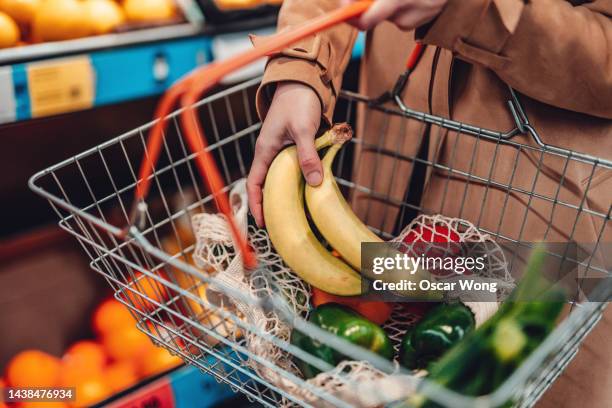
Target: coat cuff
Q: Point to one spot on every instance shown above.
(309, 62)
(287, 69)
(474, 28)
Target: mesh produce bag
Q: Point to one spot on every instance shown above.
(355, 382)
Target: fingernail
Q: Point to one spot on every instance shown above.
(314, 178)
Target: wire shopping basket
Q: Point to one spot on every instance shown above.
(141, 239)
(93, 192)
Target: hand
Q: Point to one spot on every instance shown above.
(406, 14)
(294, 117)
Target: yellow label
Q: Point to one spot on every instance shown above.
(59, 86)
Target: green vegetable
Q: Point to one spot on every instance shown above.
(439, 330)
(343, 322)
(486, 357)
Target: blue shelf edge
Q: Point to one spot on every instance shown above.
(133, 72)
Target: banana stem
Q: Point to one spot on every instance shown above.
(336, 136)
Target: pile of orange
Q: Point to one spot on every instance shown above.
(56, 20)
(119, 357)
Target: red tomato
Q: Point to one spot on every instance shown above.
(438, 233)
(436, 241)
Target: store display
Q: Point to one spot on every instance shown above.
(58, 20)
(119, 358)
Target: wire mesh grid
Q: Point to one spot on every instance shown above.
(499, 181)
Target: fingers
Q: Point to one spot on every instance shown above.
(378, 12)
(406, 14)
(309, 160)
(303, 133)
(410, 17)
(407, 21)
(264, 154)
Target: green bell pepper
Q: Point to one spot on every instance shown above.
(439, 330)
(345, 323)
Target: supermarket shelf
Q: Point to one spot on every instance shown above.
(59, 85)
(142, 36)
(48, 79)
(82, 45)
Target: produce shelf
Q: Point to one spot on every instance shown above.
(80, 45)
(53, 78)
(47, 79)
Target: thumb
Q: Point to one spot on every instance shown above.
(309, 161)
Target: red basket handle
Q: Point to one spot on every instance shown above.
(415, 56)
(191, 87)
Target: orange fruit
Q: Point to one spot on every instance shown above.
(103, 15)
(126, 343)
(9, 32)
(90, 390)
(33, 368)
(156, 360)
(120, 375)
(111, 316)
(57, 20)
(146, 288)
(33, 404)
(70, 375)
(22, 11)
(87, 356)
(149, 10)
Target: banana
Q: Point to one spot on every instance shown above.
(292, 237)
(345, 232)
(334, 217)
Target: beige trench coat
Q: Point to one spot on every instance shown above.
(556, 54)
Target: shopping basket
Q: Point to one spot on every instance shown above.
(144, 247)
(92, 194)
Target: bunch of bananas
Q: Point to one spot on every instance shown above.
(289, 230)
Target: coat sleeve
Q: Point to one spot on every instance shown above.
(550, 50)
(318, 61)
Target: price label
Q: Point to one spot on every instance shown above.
(61, 85)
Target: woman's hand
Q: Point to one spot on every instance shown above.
(406, 14)
(294, 117)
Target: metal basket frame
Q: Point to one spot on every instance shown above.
(118, 249)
